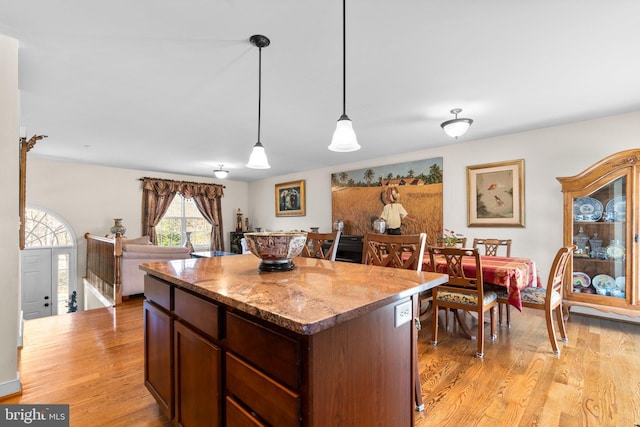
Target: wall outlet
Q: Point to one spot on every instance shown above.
(403, 313)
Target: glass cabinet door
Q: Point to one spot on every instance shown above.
(600, 234)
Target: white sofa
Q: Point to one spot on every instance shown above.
(131, 277)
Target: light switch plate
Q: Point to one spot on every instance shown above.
(403, 313)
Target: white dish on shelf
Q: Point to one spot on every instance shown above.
(618, 207)
(621, 282)
(587, 208)
(603, 281)
(615, 292)
(615, 252)
(581, 279)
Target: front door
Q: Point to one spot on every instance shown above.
(37, 283)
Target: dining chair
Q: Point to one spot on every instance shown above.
(548, 299)
(462, 292)
(322, 245)
(398, 251)
(492, 248)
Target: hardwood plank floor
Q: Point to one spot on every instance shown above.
(94, 361)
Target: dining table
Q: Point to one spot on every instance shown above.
(514, 273)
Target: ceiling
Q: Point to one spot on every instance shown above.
(173, 86)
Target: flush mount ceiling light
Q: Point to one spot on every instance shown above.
(220, 173)
(344, 138)
(456, 127)
(258, 158)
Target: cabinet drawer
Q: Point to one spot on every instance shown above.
(197, 312)
(158, 291)
(237, 416)
(273, 402)
(274, 353)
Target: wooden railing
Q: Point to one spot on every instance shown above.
(103, 265)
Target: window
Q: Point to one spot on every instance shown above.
(45, 230)
(183, 221)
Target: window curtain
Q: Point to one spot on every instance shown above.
(157, 195)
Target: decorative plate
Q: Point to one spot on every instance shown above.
(603, 281)
(588, 208)
(621, 282)
(618, 207)
(614, 252)
(581, 279)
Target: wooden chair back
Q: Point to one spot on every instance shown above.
(492, 246)
(316, 245)
(398, 251)
(454, 258)
(557, 272)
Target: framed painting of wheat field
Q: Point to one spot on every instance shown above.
(359, 197)
(495, 194)
(290, 199)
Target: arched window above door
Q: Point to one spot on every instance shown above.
(44, 229)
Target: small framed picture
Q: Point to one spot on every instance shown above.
(290, 199)
(495, 194)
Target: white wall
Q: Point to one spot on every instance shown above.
(89, 197)
(9, 244)
(549, 153)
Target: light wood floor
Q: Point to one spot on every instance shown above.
(94, 361)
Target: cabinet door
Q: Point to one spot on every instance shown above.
(602, 236)
(158, 343)
(198, 379)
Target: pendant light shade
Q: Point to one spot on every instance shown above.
(456, 127)
(258, 158)
(344, 138)
(220, 173)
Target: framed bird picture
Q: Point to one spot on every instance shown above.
(495, 194)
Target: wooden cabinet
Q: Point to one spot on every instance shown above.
(207, 363)
(600, 217)
(158, 346)
(198, 379)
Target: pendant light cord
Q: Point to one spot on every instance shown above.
(259, 87)
(344, 57)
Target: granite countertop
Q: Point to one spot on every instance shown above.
(314, 296)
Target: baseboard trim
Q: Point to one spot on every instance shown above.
(11, 388)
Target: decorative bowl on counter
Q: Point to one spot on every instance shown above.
(276, 249)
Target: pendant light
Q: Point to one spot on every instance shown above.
(220, 173)
(258, 158)
(456, 127)
(344, 138)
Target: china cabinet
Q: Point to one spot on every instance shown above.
(600, 218)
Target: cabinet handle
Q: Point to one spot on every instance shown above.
(636, 238)
(47, 297)
(46, 305)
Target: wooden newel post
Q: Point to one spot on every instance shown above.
(25, 146)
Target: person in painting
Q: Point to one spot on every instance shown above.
(393, 213)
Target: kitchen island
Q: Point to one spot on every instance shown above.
(327, 343)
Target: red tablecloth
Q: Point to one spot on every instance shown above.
(512, 273)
